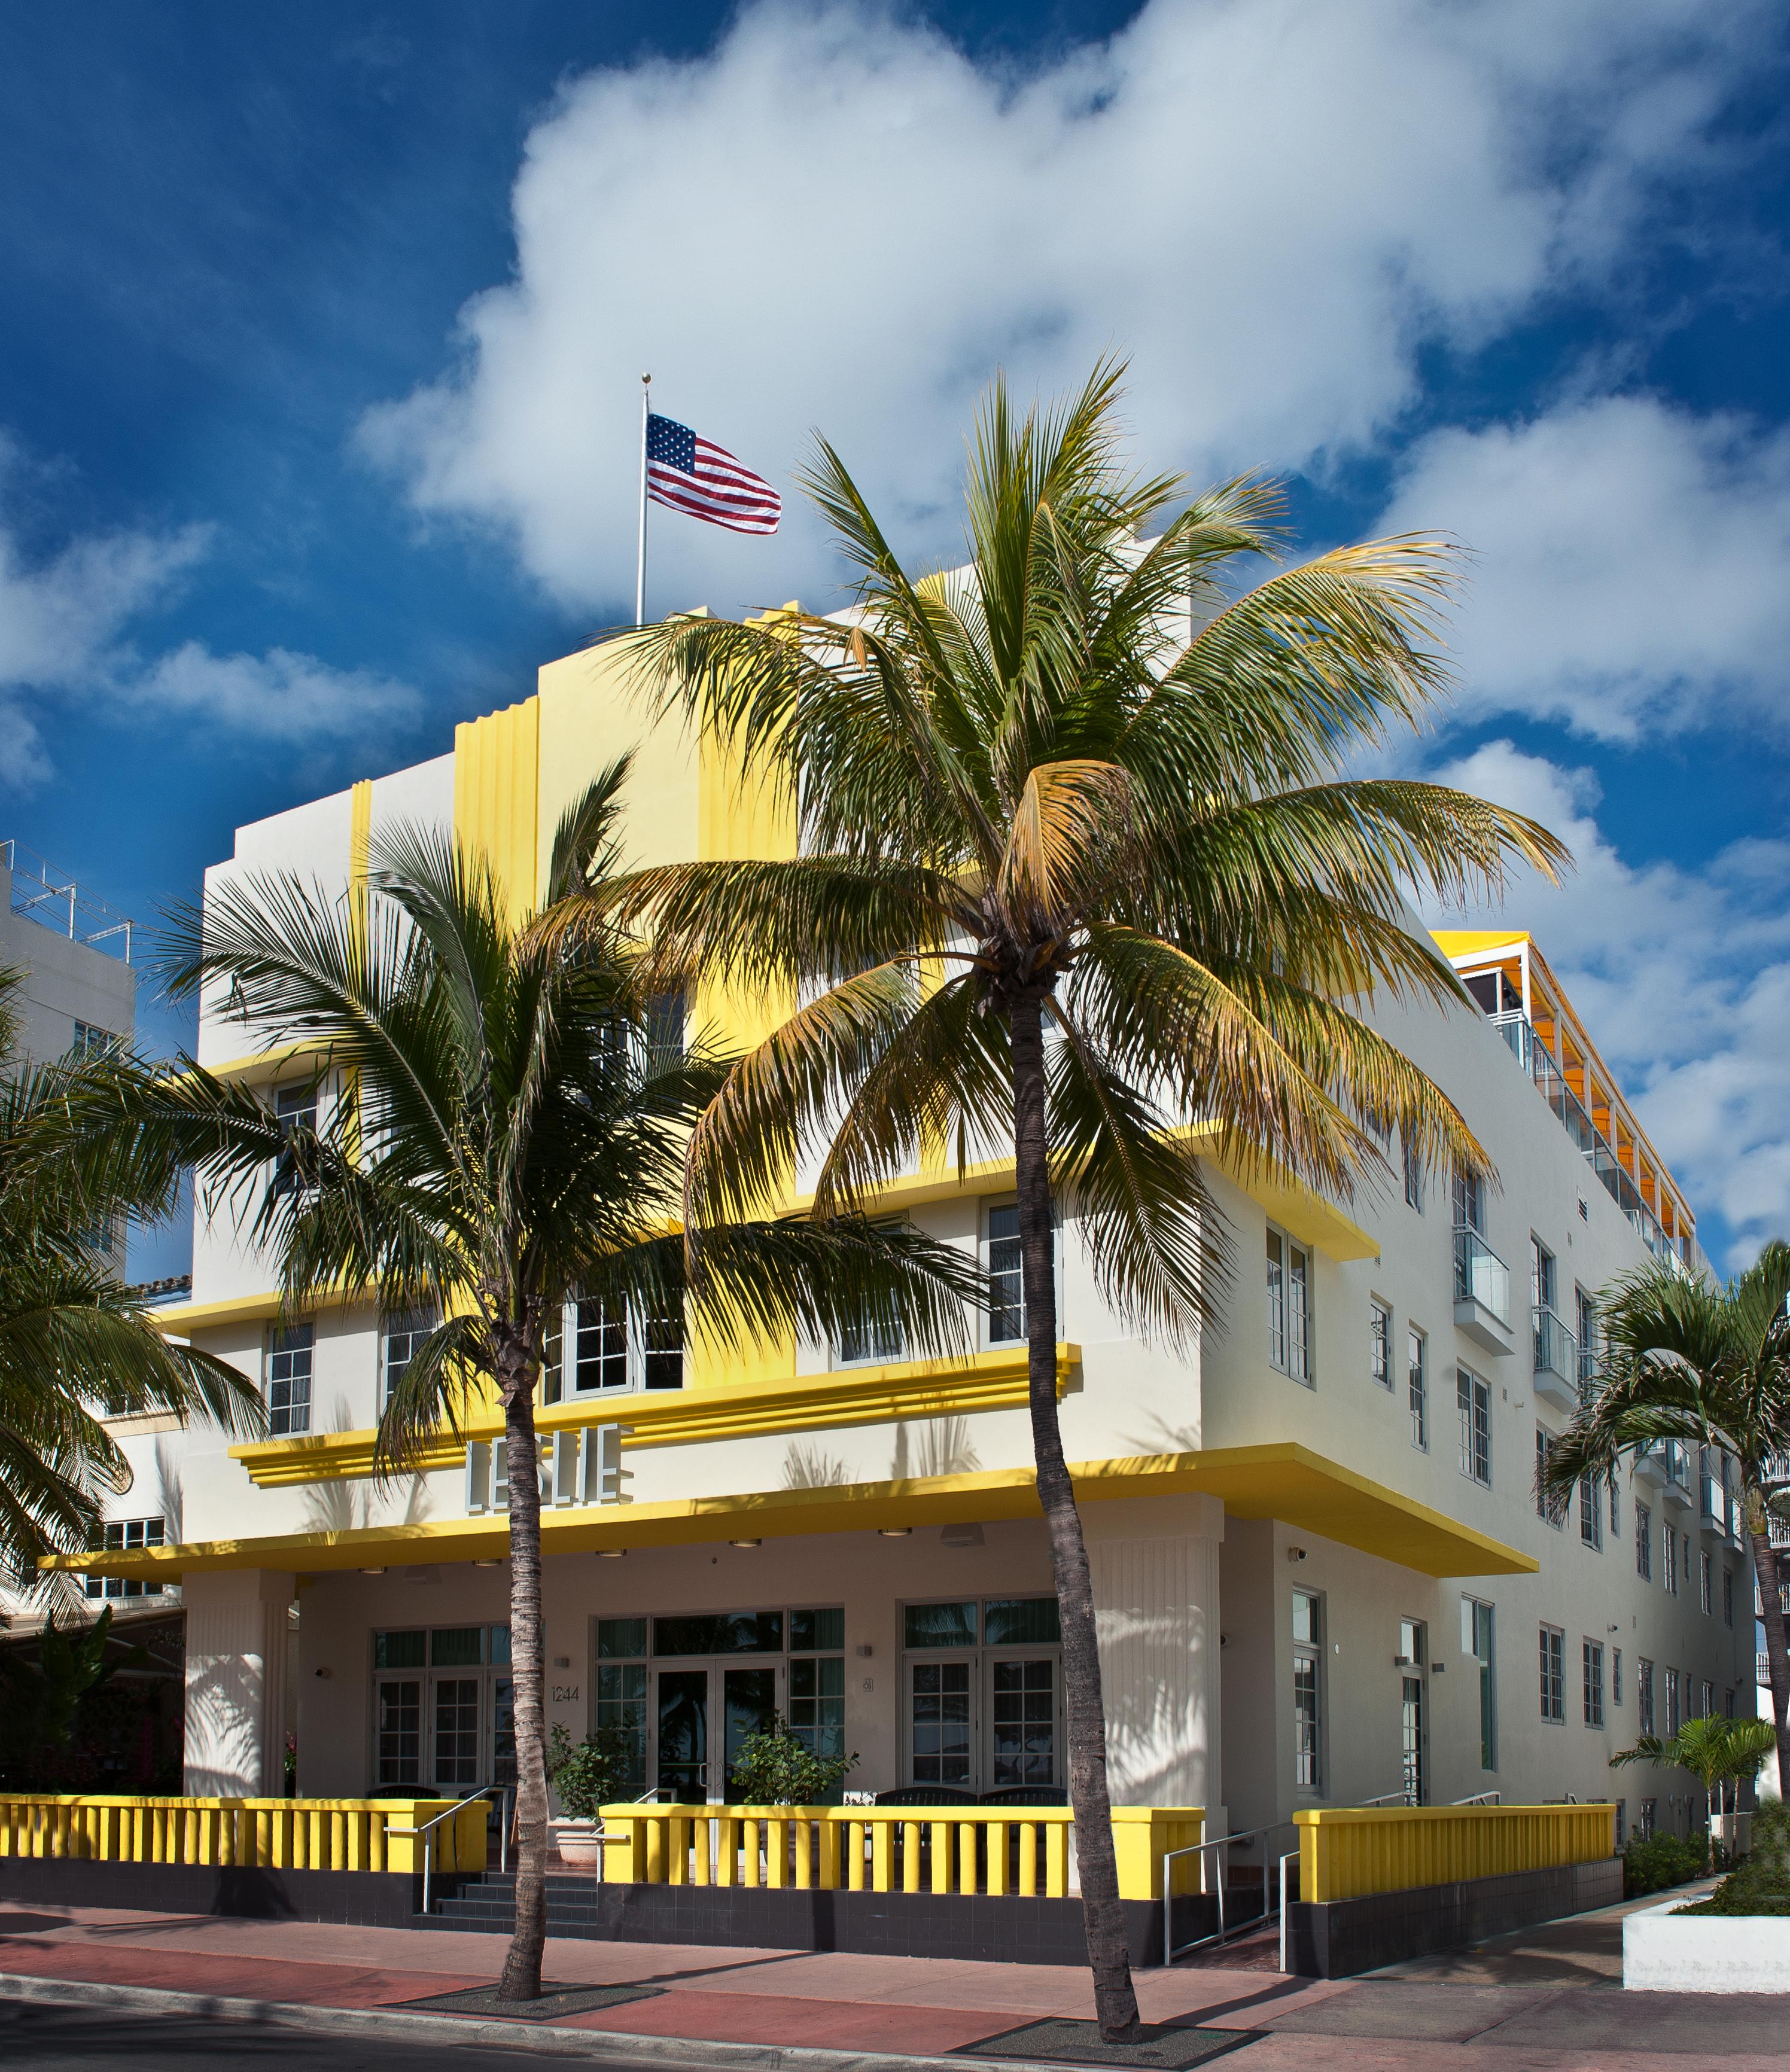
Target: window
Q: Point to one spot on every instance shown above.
(662, 1348)
(1554, 1675)
(665, 1031)
(1413, 1176)
(1475, 1410)
(1727, 1598)
(817, 1681)
(289, 1354)
(1544, 1508)
(125, 1536)
(1541, 1275)
(987, 1719)
(91, 1041)
(398, 1730)
(599, 1357)
(1479, 1633)
(1622, 1825)
(1594, 1683)
(404, 1336)
(1469, 1202)
(1005, 1267)
(1419, 1386)
(1289, 1306)
(1308, 1637)
(1643, 1695)
(1650, 1808)
(1668, 1548)
(621, 1705)
(1615, 1675)
(613, 1350)
(1673, 1718)
(941, 1723)
(1705, 1583)
(1615, 1504)
(1643, 1542)
(1590, 1513)
(296, 1109)
(1380, 1343)
(1587, 1321)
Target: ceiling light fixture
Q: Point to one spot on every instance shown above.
(372, 1572)
(745, 1543)
(610, 1553)
(894, 1531)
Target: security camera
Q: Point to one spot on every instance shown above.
(1295, 1553)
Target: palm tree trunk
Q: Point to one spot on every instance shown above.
(522, 1978)
(1770, 1615)
(1115, 2001)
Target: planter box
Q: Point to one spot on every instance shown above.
(1664, 1952)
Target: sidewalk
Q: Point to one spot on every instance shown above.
(1546, 2001)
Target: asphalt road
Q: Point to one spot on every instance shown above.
(37, 2038)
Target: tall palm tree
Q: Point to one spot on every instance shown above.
(78, 1347)
(1685, 1359)
(511, 1134)
(1080, 868)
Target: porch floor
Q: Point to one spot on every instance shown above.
(1464, 2014)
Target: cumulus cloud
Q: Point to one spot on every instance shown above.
(66, 623)
(836, 219)
(1683, 978)
(1629, 559)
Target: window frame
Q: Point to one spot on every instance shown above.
(1592, 1659)
(1280, 1307)
(1553, 1666)
(273, 1350)
(1416, 1385)
(1381, 1330)
(1308, 1665)
(1473, 1399)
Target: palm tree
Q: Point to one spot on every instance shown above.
(1080, 868)
(1709, 1365)
(1712, 1750)
(512, 1136)
(78, 1347)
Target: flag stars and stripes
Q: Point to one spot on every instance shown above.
(693, 475)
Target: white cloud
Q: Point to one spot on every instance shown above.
(1629, 559)
(836, 220)
(65, 622)
(276, 696)
(1683, 978)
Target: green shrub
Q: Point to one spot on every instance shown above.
(1761, 1884)
(589, 1777)
(775, 1769)
(1651, 1863)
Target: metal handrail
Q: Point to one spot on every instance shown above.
(1292, 1856)
(426, 1830)
(1392, 1799)
(1479, 1798)
(1170, 1953)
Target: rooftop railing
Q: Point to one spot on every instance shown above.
(1535, 1057)
(54, 900)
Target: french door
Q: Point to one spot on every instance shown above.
(449, 1732)
(987, 1724)
(703, 1714)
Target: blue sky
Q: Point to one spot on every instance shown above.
(320, 330)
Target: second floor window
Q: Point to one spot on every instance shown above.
(1380, 1343)
(1289, 1306)
(1590, 1512)
(125, 1536)
(1554, 1675)
(289, 1357)
(403, 1335)
(1643, 1694)
(1594, 1683)
(594, 1348)
(1418, 1381)
(1475, 1400)
(295, 1109)
(1643, 1542)
(1673, 1721)
(1005, 1266)
(1469, 1202)
(1413, 1176)
(1669, 1551)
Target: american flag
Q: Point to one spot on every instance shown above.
(694, 475)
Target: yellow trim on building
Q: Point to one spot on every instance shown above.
(1283, 1481)
(497, 796)
(682, 1417)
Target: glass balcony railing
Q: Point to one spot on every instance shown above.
(1555, 1348)
(1480, 1275)
(1712, 1500)
(1550, 1082)
(1678, 1463)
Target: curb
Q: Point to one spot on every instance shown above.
(596, 2046)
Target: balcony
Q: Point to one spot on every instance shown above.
(1482, 1293)
(1677, 1474)
(1556, 1372)
(1550, 1082)
(1775, 1468)
(1650, 1465)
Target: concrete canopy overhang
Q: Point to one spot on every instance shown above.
(1283, 1481)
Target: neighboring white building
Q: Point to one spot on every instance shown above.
(1318, 1564)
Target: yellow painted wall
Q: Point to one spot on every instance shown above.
(497, 794)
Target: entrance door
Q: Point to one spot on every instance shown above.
(941, 1722)
(748, 1703)
(456, 1733)
(1022, 1708)
(683, 1735)
(1413, 1726)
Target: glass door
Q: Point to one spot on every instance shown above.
(682, 1721)
(1413, 1723)
(456, 1733)
(1022, 1711)
(748, 1702)
(941, 1722)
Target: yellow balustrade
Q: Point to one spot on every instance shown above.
(1020, 1850)
(272, 1834)
(1347, 1851)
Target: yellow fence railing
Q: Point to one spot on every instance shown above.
(273, 1834)
(1000, 1850)
(1346, 1851)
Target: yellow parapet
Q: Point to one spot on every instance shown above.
(999, 1851)
(272, 1834)
(1346, 1851)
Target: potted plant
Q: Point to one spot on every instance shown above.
(584, 1778)
(778, 1768)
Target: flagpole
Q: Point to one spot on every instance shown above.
(639, 565)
